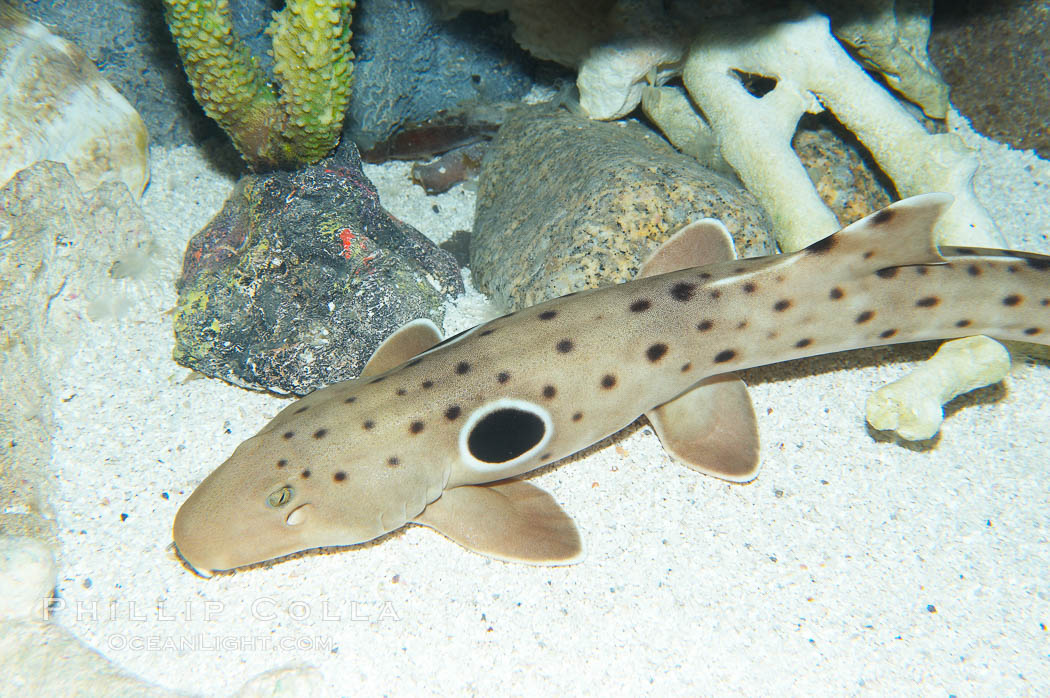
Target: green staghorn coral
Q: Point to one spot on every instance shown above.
(298, 120)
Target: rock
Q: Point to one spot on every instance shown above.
(45, 659)
(130, 44)
(288, 682)
(841, 170)
(27, 576)
(411, 65)
(996, 58)
(565, 203)
(299, 278)
(67, 257)
(57, 106)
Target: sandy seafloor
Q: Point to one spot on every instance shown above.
(853, 564)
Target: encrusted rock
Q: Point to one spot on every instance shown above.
(299, 278)
(565, 203)
(55, 105)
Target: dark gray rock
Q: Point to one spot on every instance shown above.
(565, 204)
(299, 278)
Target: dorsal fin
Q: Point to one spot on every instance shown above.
(702, 242)
(411, 339)
(899, 235)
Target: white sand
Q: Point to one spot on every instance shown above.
(852, 564)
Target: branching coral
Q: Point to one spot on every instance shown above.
(299, 121)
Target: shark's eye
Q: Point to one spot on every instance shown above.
(278, 498)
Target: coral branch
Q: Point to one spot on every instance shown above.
(313, 66)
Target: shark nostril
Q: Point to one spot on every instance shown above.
(298, 515)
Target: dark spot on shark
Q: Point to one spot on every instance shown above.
(882, 217)
(302, 409)
(485, 333)
(401, 391)
(350, 400)
(305, 474)
(822, 246)
(427, 384)
(1013, 268)
(320, 433)
(368, 424)
(415, 427)
(641, 305)
(683, 291)
(887, 273)
(928, 302)
(564, 346)
(742, 325)
(608, 381)
(287, 435)
(452, 413)
(655, 352)
(1012, 300)
(1032, 330)
(380, 379)
(965, 251)
(704, 275)
(973, 270)
(283, 462)
(577, 417)
(687, 367)
(963, 323)
(413, 362)
(549, 391)
(504, 434)
(922, 271)
(836, 293)
(865, 316)
(716, 294)
(750, 287)
(339, 476)
(869, 254)
(393, 461)
(503, 377)
(1038, 263)
(886, 334)
(548, 315)
(724, 355)
(739, 270)
(705, 325)
(462, 367)
(803, 343)
(781, 305)
(1045, 302)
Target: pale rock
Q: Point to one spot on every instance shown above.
(55, 105)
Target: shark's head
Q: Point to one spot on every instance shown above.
(301, 483)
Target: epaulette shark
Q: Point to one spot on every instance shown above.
(435, 432)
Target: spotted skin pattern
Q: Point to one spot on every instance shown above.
(419, 435)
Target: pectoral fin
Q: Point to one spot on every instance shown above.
(408, 341)
(711, 428)
(508, 520)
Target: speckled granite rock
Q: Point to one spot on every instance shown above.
(846, 180)
(299, 278)
(565, 203)
(995, 56)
